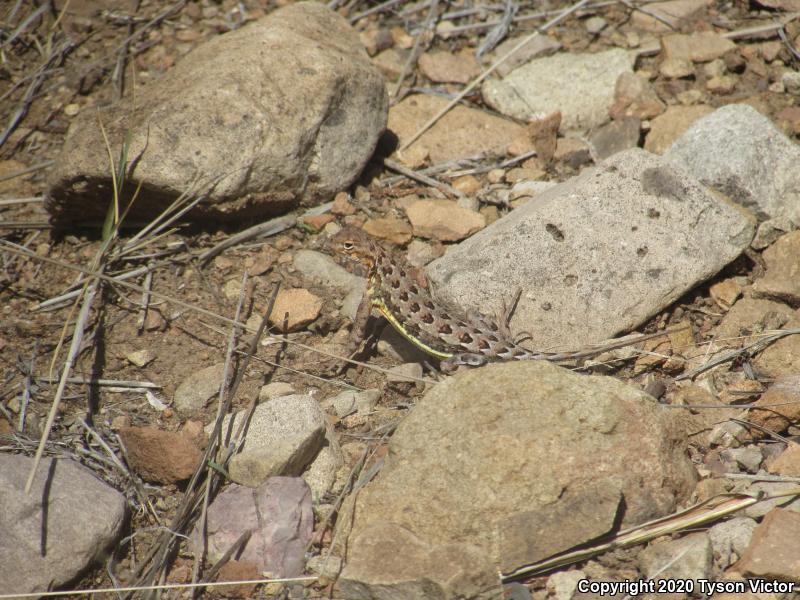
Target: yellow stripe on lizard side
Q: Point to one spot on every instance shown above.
(378, 303)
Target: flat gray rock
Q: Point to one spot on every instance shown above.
(509, 463)
(739, 152)
(539, 87)
(283, 437)
(598, 254)
(286, 109)
(67, 522)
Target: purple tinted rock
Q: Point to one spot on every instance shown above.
(280, 518)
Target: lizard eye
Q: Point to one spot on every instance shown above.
(347, 245)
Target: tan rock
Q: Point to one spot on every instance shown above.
(788, 463)
(722, 84)
(298, 307)
(342, 206)
(414, 157)
(634, 97)
(782, 279)
(444, 220)
(446, 67)
(696, 47)
(390, 62)
(389, 228)
(467, 184)
(376, 40)
(401, 38)
(781, 404)
(573, 151)
(725, 293)
(543, 131)
(774, 551)
(668, 127)
(209, 125)
(538, 45)
(676, 68)
(461, 132)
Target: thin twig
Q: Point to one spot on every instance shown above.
(417, 176)
(433, 6)
(77, 337)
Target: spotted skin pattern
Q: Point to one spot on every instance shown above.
(443, 332)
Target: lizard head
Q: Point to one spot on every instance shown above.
(352, 247)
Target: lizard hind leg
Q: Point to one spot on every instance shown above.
(508, 310)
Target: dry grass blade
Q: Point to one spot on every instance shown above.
(223, 403)
(416, 176)
(57, 56)
(751, 349)
(153, 588)
(433, 6)
(268, 228)
(699, 514)
(32, 169)
(77, 337)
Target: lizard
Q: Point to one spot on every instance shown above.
(456, 339)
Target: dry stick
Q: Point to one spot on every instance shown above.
(14, 201)
(561, 16)
(416, 176)
(33, 88)
(37, 167)
(25, 23)
(650, 13)
(221, 395)
(788, 44)
(148, 588)
(752, 348)
(25, 225)
(414, 54)
(120, 383)
(77, 337)
(375, 9)
(119, 465)
(262, 229)
(192, 496)
(147, 285)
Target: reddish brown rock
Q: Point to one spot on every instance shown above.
(316, 222)
(161, 456)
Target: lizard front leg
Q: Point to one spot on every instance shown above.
(462, 359)
(359, 332)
